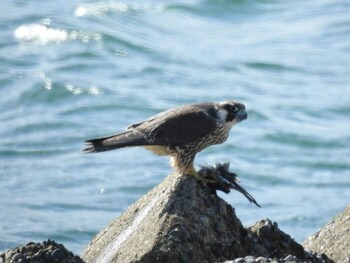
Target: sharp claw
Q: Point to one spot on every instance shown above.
(193, 172)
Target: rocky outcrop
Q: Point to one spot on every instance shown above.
(177, 221)
(269, 241)
(333, 239)
(182, 220)
(46, 252)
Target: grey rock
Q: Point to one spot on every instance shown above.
(175, 222)
(58, 254)
(9, 254)
(333, 239)
(269, 241)
(17, 256)
(260, 260)
(38, 254)
(205, 221)
(181, 220)
(220, 226)
(45, 252)
(290, 258)
(222, 206)
(249, 259)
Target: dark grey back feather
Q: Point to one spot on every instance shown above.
(178, 126)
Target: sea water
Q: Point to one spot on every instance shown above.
(75, 70)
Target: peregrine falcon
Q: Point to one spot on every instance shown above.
(179, 133)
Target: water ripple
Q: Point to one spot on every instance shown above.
(76, 70)
(42, 35)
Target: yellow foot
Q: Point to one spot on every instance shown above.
(194, 173)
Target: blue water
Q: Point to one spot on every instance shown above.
(74, 70)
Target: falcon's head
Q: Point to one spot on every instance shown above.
(231, 111)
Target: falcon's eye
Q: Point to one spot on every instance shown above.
(234, 109)
(229, 108)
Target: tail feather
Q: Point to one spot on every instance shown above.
(125, 139)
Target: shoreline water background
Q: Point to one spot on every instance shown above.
(84, 69)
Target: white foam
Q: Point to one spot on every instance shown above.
(84, 37)
(94, 90)
(73, 89)
(40, 34)
(43, 34)
(47, 81)
(99, 8)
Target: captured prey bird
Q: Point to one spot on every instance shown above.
(224, 180)
(180, 133)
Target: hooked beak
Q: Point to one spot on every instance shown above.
(241, 115)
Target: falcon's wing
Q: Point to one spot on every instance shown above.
(178, 126)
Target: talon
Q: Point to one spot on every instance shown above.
(193, 172)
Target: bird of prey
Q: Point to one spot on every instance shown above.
(179, 133)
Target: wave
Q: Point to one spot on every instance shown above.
(100, 8)
(43, 34)
(40, 34)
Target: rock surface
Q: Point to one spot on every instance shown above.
(177, 221)
(269, 240)
(46, 252)
(181, 220)
(333, 239)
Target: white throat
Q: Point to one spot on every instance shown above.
(222, 115)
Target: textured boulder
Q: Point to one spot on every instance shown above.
(181, 220)
(177, 221)
(46, 252)
(333, 239)
(269, 241)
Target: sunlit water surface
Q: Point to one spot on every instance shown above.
(75, 70)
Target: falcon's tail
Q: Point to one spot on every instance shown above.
(125, 139)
